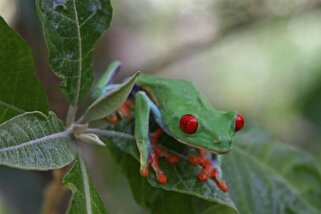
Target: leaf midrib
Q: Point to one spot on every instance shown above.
(64, 134)
(11, 107)
(80, 53)
(86, 186)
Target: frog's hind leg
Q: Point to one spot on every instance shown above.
(149, 151)
(124, 112)
(106, 82)
(105, 85)
(210, 169)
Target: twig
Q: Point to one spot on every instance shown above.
(71, 115)
(109, 133)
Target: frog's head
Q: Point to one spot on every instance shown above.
(210, 130)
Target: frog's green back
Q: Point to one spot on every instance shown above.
(176, 98)
(169, 93)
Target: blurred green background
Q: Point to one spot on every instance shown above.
(261, 57)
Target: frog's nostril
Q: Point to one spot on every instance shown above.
(225, 141)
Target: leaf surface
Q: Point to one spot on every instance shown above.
(110, 102)
(20, 91)
(85, 199)
(71, 28)
(166, 199)
(182, 187)
(35, 141)
(264, 176)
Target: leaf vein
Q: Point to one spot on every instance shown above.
(86, 186)
(63, 16)
(281, 178)
(11, 107)
(80, 53)
(64, 134)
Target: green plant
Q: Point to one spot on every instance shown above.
(264, 175)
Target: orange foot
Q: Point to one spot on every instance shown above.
(155, 154)
(209, 170)
(124, 112)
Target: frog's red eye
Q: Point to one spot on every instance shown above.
(188, 124)
(239, 122)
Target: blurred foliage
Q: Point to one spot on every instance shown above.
(311, 103)
(21, 191)
(261, 57)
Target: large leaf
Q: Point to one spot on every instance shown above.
(20, 91)
(85, 199)
(264, 176)
(110, 102)
(71, 28)
(178, 199)
(186, 192)
(35, 141)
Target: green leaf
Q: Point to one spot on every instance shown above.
(85, 197)
(264, 176)
(71, 28)
(159, 201)
(182, 186)
(20, 91)
(109, 102)
(35, 141)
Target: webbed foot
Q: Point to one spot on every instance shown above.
(124, 112)
(209, 169)
(155, 153)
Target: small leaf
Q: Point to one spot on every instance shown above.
(34, 141)
(85, 199)
(109, 102)
(71, 29)
(20, 91)
(90, 138)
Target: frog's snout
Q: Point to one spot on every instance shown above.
(226, 144)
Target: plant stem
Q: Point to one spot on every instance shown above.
(109, 133)
(71, 115)
(54, 192)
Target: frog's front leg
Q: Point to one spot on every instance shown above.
(149, 150)
(210, 168)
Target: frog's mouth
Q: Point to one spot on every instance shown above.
(209, 150)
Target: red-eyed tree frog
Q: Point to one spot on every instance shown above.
(182, 112)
